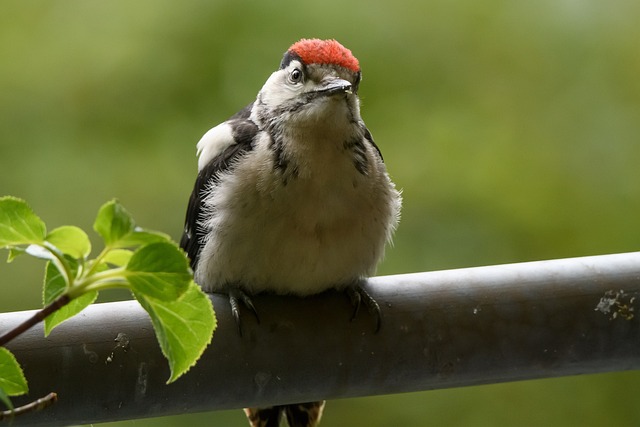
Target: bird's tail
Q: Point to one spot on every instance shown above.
(297, 415)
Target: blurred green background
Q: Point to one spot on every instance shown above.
(513, 128)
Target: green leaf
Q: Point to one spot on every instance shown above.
(159, 270)
(184, 327)
(19, 225)
(12, 380)
(74, 307)
(54, 287)
(70, 240)
(14, 253)
(141, 236)
(118, 257)
(113, 223)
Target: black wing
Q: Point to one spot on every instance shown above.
(244, 132)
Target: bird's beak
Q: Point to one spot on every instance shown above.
(333, 87)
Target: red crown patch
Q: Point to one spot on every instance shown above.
(316, 51)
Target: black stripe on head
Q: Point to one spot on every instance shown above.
(287, 58)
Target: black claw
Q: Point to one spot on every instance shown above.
(236, 295)
(246, 299)
(235, 311)
(355, 298)
(357, 295)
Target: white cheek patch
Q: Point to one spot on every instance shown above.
(276, 92)
(213, 143)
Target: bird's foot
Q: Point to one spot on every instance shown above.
(237, 296)
(358, 296)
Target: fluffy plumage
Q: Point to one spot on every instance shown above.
(292, 194)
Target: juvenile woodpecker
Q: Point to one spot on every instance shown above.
(292, 195)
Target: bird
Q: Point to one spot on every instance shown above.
(292, 196)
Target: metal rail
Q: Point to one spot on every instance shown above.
(439, 329)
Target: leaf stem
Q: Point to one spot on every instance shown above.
(100, 285)
(36, 405)
(98, 260)
(60, 262)
(113, 277)
(38, 317)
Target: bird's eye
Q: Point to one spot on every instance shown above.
(295, 76)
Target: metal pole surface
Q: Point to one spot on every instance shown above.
(439, 329)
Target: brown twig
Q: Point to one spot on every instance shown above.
(36, 405)
(38, 317)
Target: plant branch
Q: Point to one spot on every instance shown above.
(36, 405)
(36, 318)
